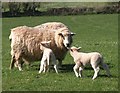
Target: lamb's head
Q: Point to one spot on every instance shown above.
(44, 44)
(66, 36)
(74, 49)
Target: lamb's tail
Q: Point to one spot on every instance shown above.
(105, 67)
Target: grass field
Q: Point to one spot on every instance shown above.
(93, 33)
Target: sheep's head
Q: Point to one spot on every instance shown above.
(66, 36)
(74, 49)
(44, 44)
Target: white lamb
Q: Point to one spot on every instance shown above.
(48, 56)
(81, 59)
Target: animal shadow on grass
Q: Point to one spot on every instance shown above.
(100, 73)
(66, 68)
(69, 68)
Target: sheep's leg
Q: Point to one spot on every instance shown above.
(15, 64)
(26, 62)
(18, 61)
(56, 69)
(12, 62)
(41, 67)
(75, 68)
(105, 67)
(43, 63)
(48, 64)
(48, 68)
(55, 64)
(59, 63)
(19, 67)
(96, 69)
(45, 68)
(80, 71)
(19, 64)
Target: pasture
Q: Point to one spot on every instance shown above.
(93, 33)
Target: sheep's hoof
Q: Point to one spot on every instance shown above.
(78, 76)
(93, 78)
(20, 70)
(10, 68)
(39, 72)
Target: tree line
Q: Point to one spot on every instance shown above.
(34, 8)
(15, 8)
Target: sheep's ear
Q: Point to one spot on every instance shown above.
(72, 33)
(78, 49)
(49, 41)
(60, 34)
(42, 43)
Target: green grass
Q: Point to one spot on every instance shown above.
(93, 33)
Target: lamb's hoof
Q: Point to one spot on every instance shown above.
(39, 72)
(10, 68)
(21, 70)
(77, 76)
(93, 78)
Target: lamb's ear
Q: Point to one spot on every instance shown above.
(72, 33)
(78, 49)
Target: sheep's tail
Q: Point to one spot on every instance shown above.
(105, 66)
(10, 37)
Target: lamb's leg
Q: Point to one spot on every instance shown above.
(41, 67)
(55, 64)
(48, 68)
(45, 67)
(96, 69)
(80, 71)
(48, 64)
(75, 68)
(43, 64)
(105, 67)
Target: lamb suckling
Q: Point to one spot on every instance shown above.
(81, 59)
(47, 58)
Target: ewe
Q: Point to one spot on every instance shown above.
(25, 42)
